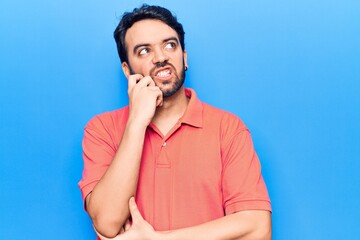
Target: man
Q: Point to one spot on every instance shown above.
(181, 168)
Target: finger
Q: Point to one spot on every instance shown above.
(158, 94)
(159, 99)
(133, 79)
(127, 225)
(134, 211)
(152, 83)
(145, 82)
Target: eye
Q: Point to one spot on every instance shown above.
(170, 45)
(143, 51)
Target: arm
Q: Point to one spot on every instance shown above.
(107, 205)
(242, 188)
(241, 160)
(251, 224)
(242, 225)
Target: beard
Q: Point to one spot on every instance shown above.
(175, 85)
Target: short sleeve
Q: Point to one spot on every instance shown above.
(243, 186)
(98, 152)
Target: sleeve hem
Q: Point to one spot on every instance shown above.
(248, 205)
(87, 188)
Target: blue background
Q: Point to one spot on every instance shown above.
(289, 69)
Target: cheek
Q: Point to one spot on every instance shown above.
(180, 65)
(141, 67)
(181, 60)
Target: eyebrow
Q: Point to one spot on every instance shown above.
(137, 46)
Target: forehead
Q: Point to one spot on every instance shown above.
(148, 31)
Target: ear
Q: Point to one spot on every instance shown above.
(185, 59)
(126, 69)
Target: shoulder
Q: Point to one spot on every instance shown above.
(227, 121)
(109, 120)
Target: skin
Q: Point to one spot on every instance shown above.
(156, 63)
(150, 42)
(244, 225)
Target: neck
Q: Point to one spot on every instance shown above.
(171, 111)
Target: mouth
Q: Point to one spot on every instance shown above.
(163, 73)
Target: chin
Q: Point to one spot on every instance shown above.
(170, 92)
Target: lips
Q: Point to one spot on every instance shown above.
(163, 73)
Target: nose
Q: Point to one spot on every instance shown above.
(159, 56)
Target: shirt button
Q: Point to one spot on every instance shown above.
(164, 144)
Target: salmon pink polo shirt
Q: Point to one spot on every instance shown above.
(204, 168)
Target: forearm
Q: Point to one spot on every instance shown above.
(244, 225)
(108, 202)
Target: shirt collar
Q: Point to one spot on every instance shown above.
(194, 111)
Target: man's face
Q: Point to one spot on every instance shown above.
(154, 50)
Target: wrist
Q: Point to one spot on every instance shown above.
(134, 125)
(163, 235)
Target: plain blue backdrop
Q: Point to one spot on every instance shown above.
(289, 69)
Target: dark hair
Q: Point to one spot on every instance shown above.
(145, 12)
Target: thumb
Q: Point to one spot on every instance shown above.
(134, 211)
